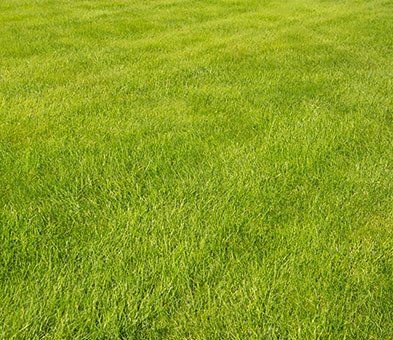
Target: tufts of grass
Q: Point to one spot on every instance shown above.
(188, 169)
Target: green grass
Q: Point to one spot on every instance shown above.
(196, 169)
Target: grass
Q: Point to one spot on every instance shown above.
(196, 169)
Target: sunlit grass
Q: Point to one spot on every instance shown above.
(196, 169)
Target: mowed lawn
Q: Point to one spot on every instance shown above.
(196, 169)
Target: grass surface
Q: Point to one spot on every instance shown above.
(196, 169)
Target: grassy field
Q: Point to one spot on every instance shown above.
(196, 169)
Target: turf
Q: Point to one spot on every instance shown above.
(196, 169)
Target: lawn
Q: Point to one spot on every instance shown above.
(196, 169)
